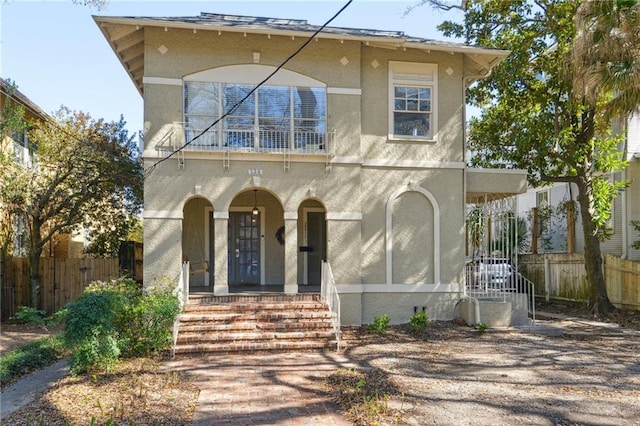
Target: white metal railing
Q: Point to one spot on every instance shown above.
(493, 278)
(261, 139)
(330, 295)
(182, 289)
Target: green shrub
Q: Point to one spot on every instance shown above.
(379, 325)
(419, 321)
(29, 315)
(118, 318)
(150, 321)
(30, 357)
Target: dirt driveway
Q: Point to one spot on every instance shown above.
(458, 376)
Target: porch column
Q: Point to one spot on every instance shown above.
(291, 252)
(162, 252)
(220, 266)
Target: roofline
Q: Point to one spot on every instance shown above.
(395, 42)
(23, 100)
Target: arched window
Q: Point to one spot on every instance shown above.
(287, 112)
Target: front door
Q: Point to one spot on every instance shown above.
(244, 248)
(316, 252)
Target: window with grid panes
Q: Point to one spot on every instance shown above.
(412, 100)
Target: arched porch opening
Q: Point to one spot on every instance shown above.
(256, 254)
(198, 243)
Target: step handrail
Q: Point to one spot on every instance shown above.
(182, 290)
(330, 295)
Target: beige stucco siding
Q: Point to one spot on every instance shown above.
(379, 184)
(399, 307)
(189, 53)
(375, 107)
(170, 186)
(162, 249)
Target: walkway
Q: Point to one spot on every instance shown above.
(264, 389)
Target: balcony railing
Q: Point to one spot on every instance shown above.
(266, 139)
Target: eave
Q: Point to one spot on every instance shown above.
(126, 38)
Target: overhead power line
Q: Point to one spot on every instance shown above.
(252, 91)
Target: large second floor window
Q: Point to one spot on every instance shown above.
(271, 117)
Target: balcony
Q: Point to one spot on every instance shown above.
(264, 139)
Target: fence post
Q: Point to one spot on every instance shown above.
(547, 279)
(571, 228)
(534, 230)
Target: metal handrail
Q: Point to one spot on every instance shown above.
(330, 295)
(260, 139)
(478, 285)
(182, 289)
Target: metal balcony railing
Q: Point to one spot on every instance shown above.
(264, 139)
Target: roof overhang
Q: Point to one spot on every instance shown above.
(126, 37)
(491, 184)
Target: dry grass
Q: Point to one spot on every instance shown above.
(139, 392)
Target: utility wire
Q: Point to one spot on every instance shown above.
(251, 92)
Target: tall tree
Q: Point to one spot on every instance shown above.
(84, 174)
(532, 117)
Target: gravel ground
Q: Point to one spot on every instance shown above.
(455, 375)
(449, 375)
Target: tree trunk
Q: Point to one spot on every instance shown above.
(34, 263)
(599, 303)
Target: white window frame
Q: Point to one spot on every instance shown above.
(413, 74)
(540, 203)
(251, 75)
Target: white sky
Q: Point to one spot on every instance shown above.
(56, 54)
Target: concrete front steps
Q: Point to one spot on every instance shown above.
(254, 323)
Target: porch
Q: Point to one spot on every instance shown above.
(496, 293)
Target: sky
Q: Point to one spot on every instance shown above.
(55, 53)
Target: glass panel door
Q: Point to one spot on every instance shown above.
(244, 248)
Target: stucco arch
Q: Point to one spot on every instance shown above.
(254, 74)
(411, 187)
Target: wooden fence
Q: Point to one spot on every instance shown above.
(563, 276)
(62, 280)
(623, 282)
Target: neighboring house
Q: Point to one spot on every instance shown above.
(24, 153)
(353, 153)
(21, 149)
(551, 202)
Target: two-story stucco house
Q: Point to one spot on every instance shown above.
(352, 152)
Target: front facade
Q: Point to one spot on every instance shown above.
(351, 153)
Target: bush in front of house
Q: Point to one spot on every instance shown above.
(419, 322)
(118, 318)
(379, 324)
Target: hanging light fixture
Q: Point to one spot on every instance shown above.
(255, 210)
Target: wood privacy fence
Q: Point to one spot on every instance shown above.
(623, 282)
(563, 276)
(62, 281)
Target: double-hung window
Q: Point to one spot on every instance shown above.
(269, 118)
(412, 100)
